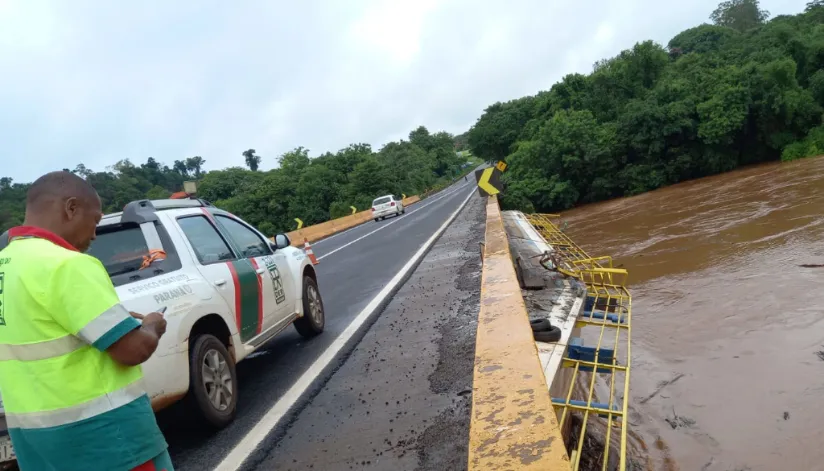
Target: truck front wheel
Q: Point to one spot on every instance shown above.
(212, 381)
(314, 318)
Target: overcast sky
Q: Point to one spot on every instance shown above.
(99, 81)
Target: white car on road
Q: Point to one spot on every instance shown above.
(388, 205)
(227, 289)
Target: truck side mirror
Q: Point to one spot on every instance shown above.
(282, 241)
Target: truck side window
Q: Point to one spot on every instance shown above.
(120, 248)
(251, 245)
(206, 242)
(123, 248)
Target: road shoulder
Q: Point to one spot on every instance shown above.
(402, 400)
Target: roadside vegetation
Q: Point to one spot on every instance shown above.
(739, 91)
(312, 189)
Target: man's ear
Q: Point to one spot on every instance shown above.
(70, 207)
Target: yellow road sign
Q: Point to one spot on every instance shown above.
(354, 209)
(501, 165)
(300, 223)
(403, 195)
(489, 181)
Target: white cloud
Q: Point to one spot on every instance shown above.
(94, 81)
(392, 28)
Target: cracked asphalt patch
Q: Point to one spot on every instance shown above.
(402, 400)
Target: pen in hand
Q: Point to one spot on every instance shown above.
(140, 317)
(157, 321)
(153, 321)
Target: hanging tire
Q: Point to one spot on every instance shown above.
(314, 317)
(213, 387)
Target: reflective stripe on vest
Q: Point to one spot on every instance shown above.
(41, 350)
(63, 345)
(86, 410)
(105, 322)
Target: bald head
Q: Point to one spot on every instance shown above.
(58, 185)
(65, 204)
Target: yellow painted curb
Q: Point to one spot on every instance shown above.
(513, 424)
(410, 200)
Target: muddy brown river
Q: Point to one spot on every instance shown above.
(722, 304)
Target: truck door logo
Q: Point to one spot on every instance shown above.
(277, 282)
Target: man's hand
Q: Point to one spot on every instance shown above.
(138, 345)
(155, 322)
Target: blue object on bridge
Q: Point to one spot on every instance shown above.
(576, 351)
(589, 302)
(600, 315)
(597, 405)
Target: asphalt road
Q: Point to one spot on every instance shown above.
(402, 399)
(354, 267)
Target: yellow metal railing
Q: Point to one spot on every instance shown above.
(608, 307)
(560, 242)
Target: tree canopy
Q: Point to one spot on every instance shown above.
(739, 14)
(313, 189)
(252, 160)
(741, 91)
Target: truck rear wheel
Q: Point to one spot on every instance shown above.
(212, 381)
(314, 317)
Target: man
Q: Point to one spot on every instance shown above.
(69, 351)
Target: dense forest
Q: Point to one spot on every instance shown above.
(740, 91)
(313, 189)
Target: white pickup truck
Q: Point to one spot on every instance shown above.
(226, 288)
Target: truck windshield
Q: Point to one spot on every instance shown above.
(120, 248)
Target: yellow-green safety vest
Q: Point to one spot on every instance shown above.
(58, 314)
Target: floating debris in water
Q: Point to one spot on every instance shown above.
(662, 385)
(678, 421)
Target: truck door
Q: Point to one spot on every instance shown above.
(232, 275)
(277, 292)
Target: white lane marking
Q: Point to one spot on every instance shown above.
(335, 235)
(269, 420)
(397, 219)
(445, 192)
